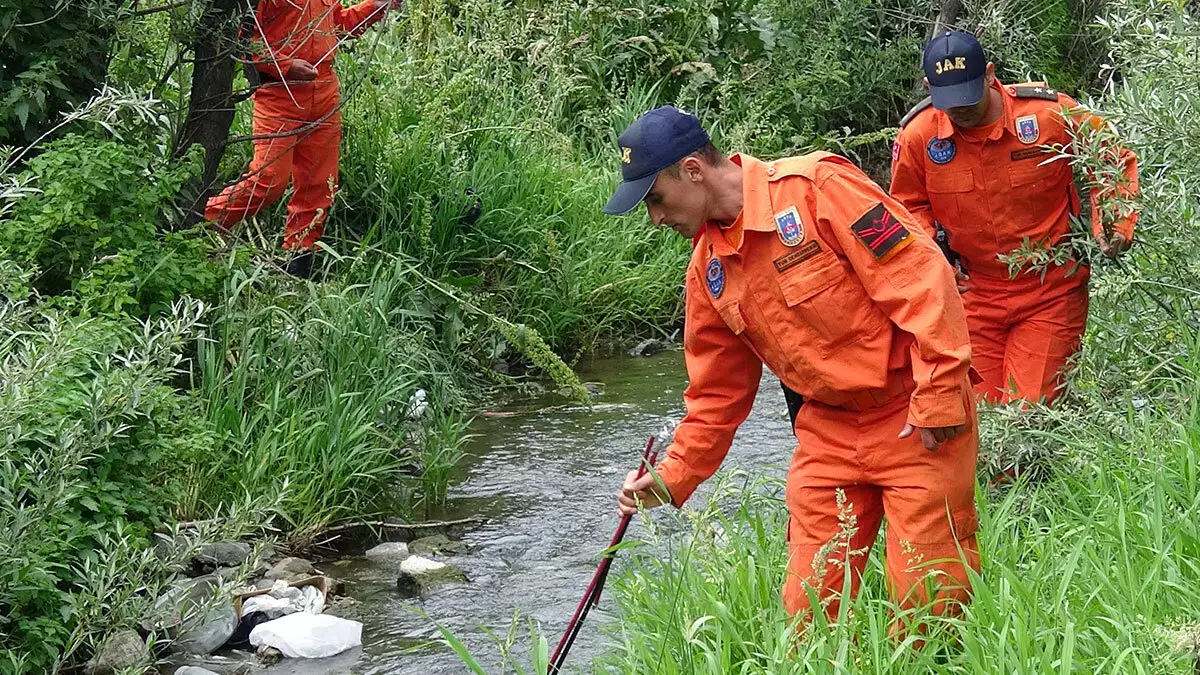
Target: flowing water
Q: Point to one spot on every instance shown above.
(547, 483)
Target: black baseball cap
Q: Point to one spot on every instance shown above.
(655, 141)
(955, 66)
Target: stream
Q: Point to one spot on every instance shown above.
(547, 483)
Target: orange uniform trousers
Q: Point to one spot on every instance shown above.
(1025, 330)
(298, 128)
(849, 472)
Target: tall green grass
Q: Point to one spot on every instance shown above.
(1092, 571)
(308, 387)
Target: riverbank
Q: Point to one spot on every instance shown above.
(152, 374)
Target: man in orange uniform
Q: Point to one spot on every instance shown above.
(805, 265)
(970, 159)
(297, 118)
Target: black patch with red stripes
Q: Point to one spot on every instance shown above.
(881, 232)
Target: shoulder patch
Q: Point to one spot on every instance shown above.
(881, 233)
(914, 111)
(1035, 91)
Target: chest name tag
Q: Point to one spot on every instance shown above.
(786, 262)
(1026, 153)
(881, 233)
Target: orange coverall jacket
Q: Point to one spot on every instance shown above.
(990, 194)
(831, 284)
(285, 30)
(991, 189)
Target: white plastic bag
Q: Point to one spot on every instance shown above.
(273, 607)
(308, 636)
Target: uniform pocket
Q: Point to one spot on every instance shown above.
(1019, 175)
(950, 197)
(824, 295)
(950, 182)
(1033, 194)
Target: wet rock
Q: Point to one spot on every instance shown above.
(123, 649)
(420, 576)
(269, 655)
(290, 569)
(648, 347)
(392, 550)
(221, 554)
(344, 608)
(227, 574)
(594, 388)
(195, 670)
(165, 547)
(193, 616)
(437, 544)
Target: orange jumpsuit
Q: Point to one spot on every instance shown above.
(991, 188)
(834, 286)
(297, 125)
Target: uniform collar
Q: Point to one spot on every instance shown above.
(756, 207)
(946, 128)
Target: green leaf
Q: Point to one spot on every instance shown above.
(22, 111)
(90, 504)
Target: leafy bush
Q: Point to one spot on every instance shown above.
(93, 227)
(55, 55)
(92, 437)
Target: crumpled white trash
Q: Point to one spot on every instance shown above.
(283, 598)
(308, 636)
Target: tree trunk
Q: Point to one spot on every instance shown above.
(211, 105)
(948, 11)
(946, 16)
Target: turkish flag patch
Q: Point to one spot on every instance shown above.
(882, 234)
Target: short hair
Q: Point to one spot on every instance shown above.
(708, 154)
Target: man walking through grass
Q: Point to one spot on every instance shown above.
(805, 265)
(974, 159)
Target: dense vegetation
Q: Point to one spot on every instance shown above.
(153, 371)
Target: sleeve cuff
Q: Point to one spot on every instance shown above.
(277, 69)
(681, 481)
(930, 411)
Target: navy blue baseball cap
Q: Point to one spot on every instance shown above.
(956, 67)
(655, 141)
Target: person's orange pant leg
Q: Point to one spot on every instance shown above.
(315, 171)
(850, 471)
(1030, 327)
(308, 158)
(988, 323)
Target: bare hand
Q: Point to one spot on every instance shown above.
(644, 491)
(1115, 245)
(932, 438)
(301, 71)
(962, 281)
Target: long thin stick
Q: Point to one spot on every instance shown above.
(592, 594)
(606, 563)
